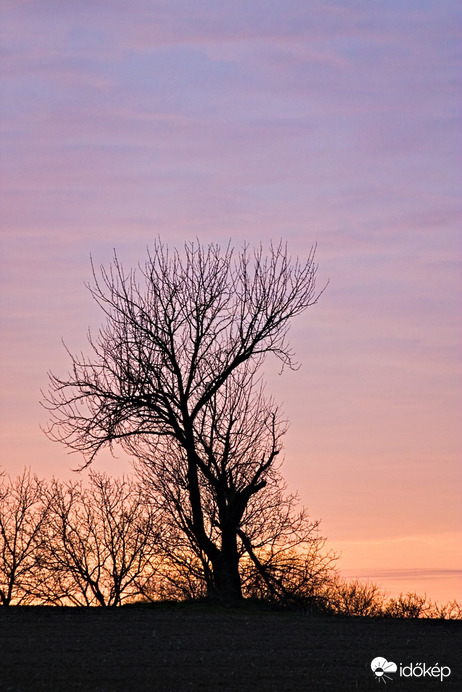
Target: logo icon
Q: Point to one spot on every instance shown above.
(381, 669)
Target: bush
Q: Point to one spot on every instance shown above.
(357, 598)
(447, 611)
(409, 605)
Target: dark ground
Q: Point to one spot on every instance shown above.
(180, 648)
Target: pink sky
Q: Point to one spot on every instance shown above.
(328, 122)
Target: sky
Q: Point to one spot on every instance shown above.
(327, 122)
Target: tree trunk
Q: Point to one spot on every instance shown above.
(226, 577)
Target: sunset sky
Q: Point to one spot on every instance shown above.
(336, 123)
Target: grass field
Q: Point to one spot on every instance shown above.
(176, 648)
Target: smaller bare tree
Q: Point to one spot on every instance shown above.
(452, 610)
(409, 605)
(100, 542)
(23, 512)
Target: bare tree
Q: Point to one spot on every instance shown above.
(409, 605)
(100, 543)
(354, 597)
(173, 378)
(452, 610)
(23, 511)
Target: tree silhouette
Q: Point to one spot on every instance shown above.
(173, 377)
(23, 512)
(99, 542)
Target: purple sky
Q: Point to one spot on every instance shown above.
(328, 122)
